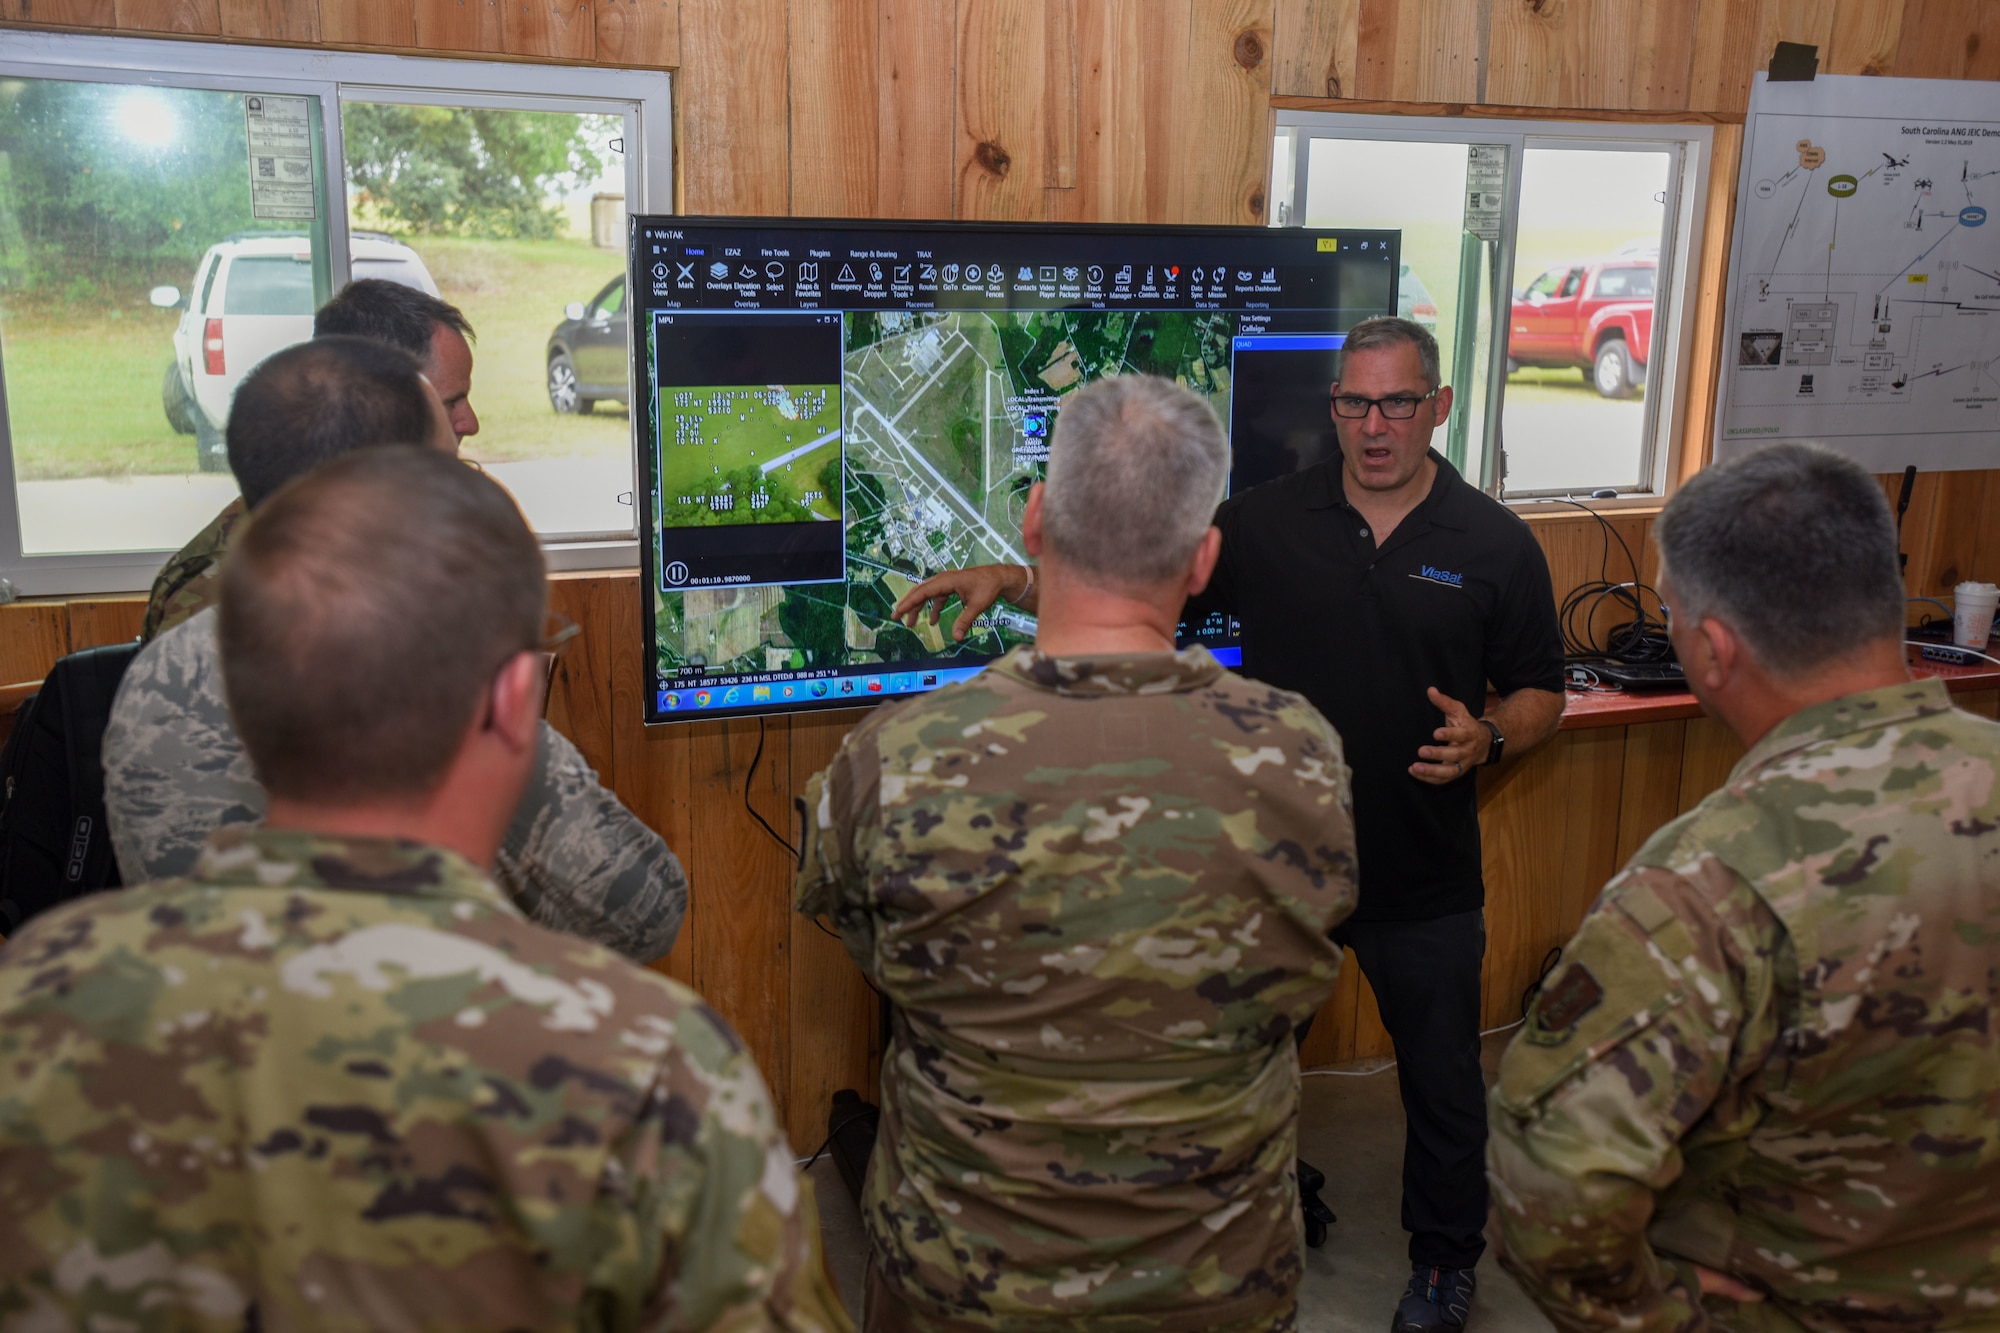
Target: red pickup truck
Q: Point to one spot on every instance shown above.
(1595, 314)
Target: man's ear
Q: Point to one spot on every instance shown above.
(1205, 556)
(1443, 403)
(1031, 522)
(516, 700)
(1719, 654)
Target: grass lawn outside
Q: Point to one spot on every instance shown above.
(83, 386)
(83, 393)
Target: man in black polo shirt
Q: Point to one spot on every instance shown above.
(1390, 593)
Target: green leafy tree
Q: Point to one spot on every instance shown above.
(108, 189)
(459, 171)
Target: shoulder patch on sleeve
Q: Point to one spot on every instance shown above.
(1562, 1005)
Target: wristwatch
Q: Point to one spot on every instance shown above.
(1499, 742)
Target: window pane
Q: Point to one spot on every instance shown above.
(493, 210)
(1580, 339)
(116, 390)
(1446, 279)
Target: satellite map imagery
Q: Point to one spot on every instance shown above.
(942, 421)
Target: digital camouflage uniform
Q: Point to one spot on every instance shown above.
(1772, 1051)
(342, 1084)
(574, 859)
(1097, 893)
(191, 580)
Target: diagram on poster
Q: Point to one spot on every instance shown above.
(1864, 300)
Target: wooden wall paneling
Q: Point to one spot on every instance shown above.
(1314, 46)
(1061, 127)
(639, 32)
(1708, 752)
(1964, 505)
(1649, 793)
(1703, 378)
(835, 108)
(464, 25)
(835, 1016)
(1113, 133)
(916, 120)
(1919, 522)
(652, 767)
(1634, 55)
(1949, 39)
(580, 693)
(32, 636)
(1002, 166)
(61, 13)
(1525, 812)
(1225, 119)
(1596, 783)
(1330, 1041)
(550, 29)
(1421, 50)
(1726, 53)
(1986, 703)
(743, 949)
(1985, 562)
(1865, 38)
(367, 23)
(293, 21)
(729, 104)
(1580, 551)
(1165, 29)
(199, 18)
(94, 623)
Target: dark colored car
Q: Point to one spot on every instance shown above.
(589, 362)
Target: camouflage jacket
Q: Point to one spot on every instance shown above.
(574, 859)
(1772, 1049)
(190, 581)
(1097, 892)
(342, 1084)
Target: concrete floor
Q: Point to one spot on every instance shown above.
(1352, 1129)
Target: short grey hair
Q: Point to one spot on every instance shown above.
(1793, 548)
(1394, 331)
(1136, 469)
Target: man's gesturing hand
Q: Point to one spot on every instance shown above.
(976, 588)
(1463, 743)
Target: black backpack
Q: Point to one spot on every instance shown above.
(54, 844)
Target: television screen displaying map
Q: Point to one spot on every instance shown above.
(952, 377)
(946, 423)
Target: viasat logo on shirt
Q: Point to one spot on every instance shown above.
(1432, 574)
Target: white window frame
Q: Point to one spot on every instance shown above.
(1691, 146)
(643, 97)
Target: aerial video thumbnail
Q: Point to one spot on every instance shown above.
(750, 454)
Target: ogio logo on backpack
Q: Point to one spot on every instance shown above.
(79, 848)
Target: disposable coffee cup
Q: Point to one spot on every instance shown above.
(1972, 613)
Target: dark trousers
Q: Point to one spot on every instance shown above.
(1425, 975)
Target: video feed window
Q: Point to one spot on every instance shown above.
(838, 411)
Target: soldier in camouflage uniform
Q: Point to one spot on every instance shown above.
(1095, 883)
(187, 582)
(333, 1079)
(1764, 1090)
(575, 858)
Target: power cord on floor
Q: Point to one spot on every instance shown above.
(1370, 1073)
(805, 1164)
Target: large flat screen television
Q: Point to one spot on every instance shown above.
(829, 411)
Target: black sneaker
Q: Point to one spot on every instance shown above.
(1438, 1300)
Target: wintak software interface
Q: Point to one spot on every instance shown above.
(833, 412)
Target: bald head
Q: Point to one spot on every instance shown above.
(314, 402)
(363, 616)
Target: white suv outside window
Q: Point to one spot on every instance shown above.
(253, 295)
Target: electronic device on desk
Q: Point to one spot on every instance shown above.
(1633, 675)
(828, 412)
(1933, 642)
